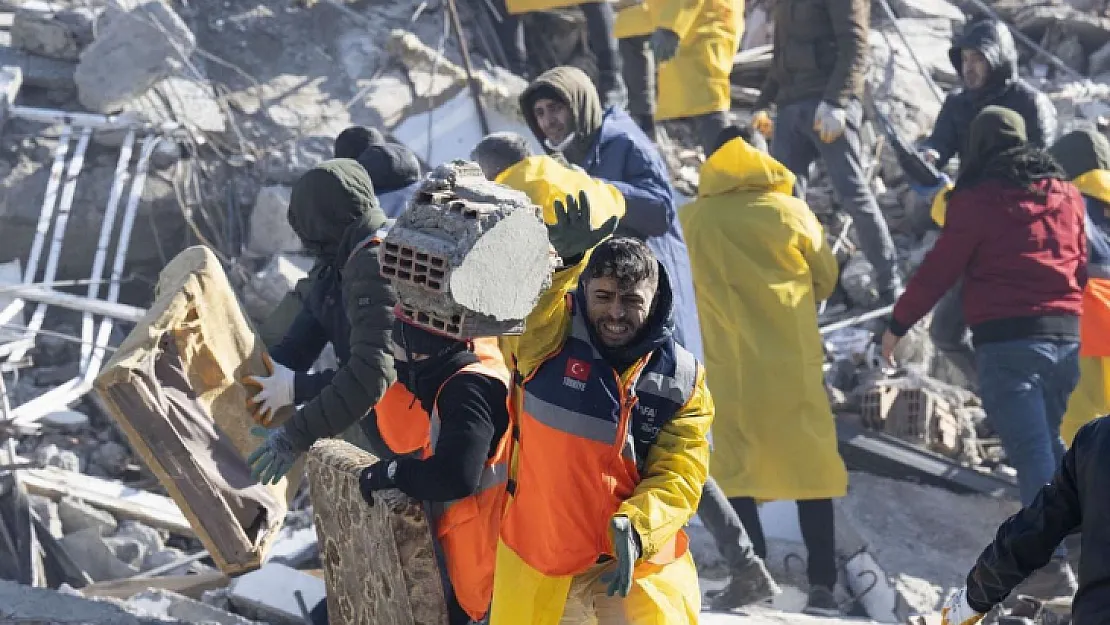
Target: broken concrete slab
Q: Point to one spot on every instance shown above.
(147, 536)
(127, 550)
(40, 72)
(51, 456)
(134, 51)
(918, 9)
(373, 555)
(23, 604)
(458, 231)
(47, 512)
(264, 290)
(78, 516)
(66, 420)
(43, 30)
(181, 98)
(1098, 63)
(169, 604)
(270, 230)
(95, 556)
(1093, 29)
(268, 594)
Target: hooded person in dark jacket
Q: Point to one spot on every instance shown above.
(1075, 499)
(563, 111)
(986, 59)
(334, 212)
(395, 171)
(1015, 234)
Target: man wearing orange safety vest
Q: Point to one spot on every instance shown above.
(611, 417)
(455, 401)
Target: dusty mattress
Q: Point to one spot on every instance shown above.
(173, 387)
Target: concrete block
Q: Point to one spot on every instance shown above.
(23, 604)
(133, 52)
(127, 550)
(264, 290)
(379, 562)
(147, 536)
(267, 594)
(172, 605)
(92, 554)
(295, 547)
(270, 229)
(460, 230)
(78, 516)
(38, 29)
(38, 71)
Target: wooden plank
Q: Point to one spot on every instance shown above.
(192, 586)
(111, 496)
(379, 561)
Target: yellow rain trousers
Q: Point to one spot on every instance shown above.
(1091, 398)
(760, 264)
(696, 80)
(667, 595)
(544, 180)
(516, 7)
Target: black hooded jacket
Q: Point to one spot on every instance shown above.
(1003, 88)
(335, 213)
(1075, 499)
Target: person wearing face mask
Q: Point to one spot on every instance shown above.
(333, 210)
(460, 403)
(610, 420)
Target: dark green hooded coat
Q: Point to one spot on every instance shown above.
(346, 301)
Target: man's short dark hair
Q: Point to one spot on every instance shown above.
(352, 142)
(499, 151)
(745, 132)
(625, 259)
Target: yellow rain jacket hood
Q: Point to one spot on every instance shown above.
(544, 179)
(760, 264)
(516, 7)
(696, 80)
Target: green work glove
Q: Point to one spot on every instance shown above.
(572, 235)
(274, 457)
(627, 551)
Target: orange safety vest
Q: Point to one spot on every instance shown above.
(403, 423)
(467, 528)
(582, 437)
(1094, 323)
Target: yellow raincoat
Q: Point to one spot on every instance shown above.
(1091, 398)
(663, 502)
(696, 80)
(516, 7)
(760, 264)
(544, 180)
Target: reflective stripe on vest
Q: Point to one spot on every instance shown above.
(584, 435)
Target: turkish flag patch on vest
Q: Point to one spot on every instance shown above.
(577, 369)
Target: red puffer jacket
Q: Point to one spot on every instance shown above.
(1022, 254)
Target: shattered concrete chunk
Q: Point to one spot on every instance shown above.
(270, 229)
(40, 30)
(459, 230)
(1099, 61)
(1092, 29)
(47, 512)
(132, 53)
(150, 538)
(50, 74)
(78, 516)
(127, 550)
(64, 459)
(164, 603)
(112, 457)
(267, 594)
(264, 290)
(92, 554)
(23, 604)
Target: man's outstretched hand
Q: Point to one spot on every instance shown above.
(572, 234)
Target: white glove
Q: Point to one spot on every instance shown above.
(276, 391)
(830, 122)
(957, 612)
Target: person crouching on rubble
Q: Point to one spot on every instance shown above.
(1085, 157)
(333, 210)
(1015, 233)
(463, 468)
(611, 417)
(1075, 499)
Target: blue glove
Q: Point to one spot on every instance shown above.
(929, 192)
(664, 44)
(627, 551)
(274, 457)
